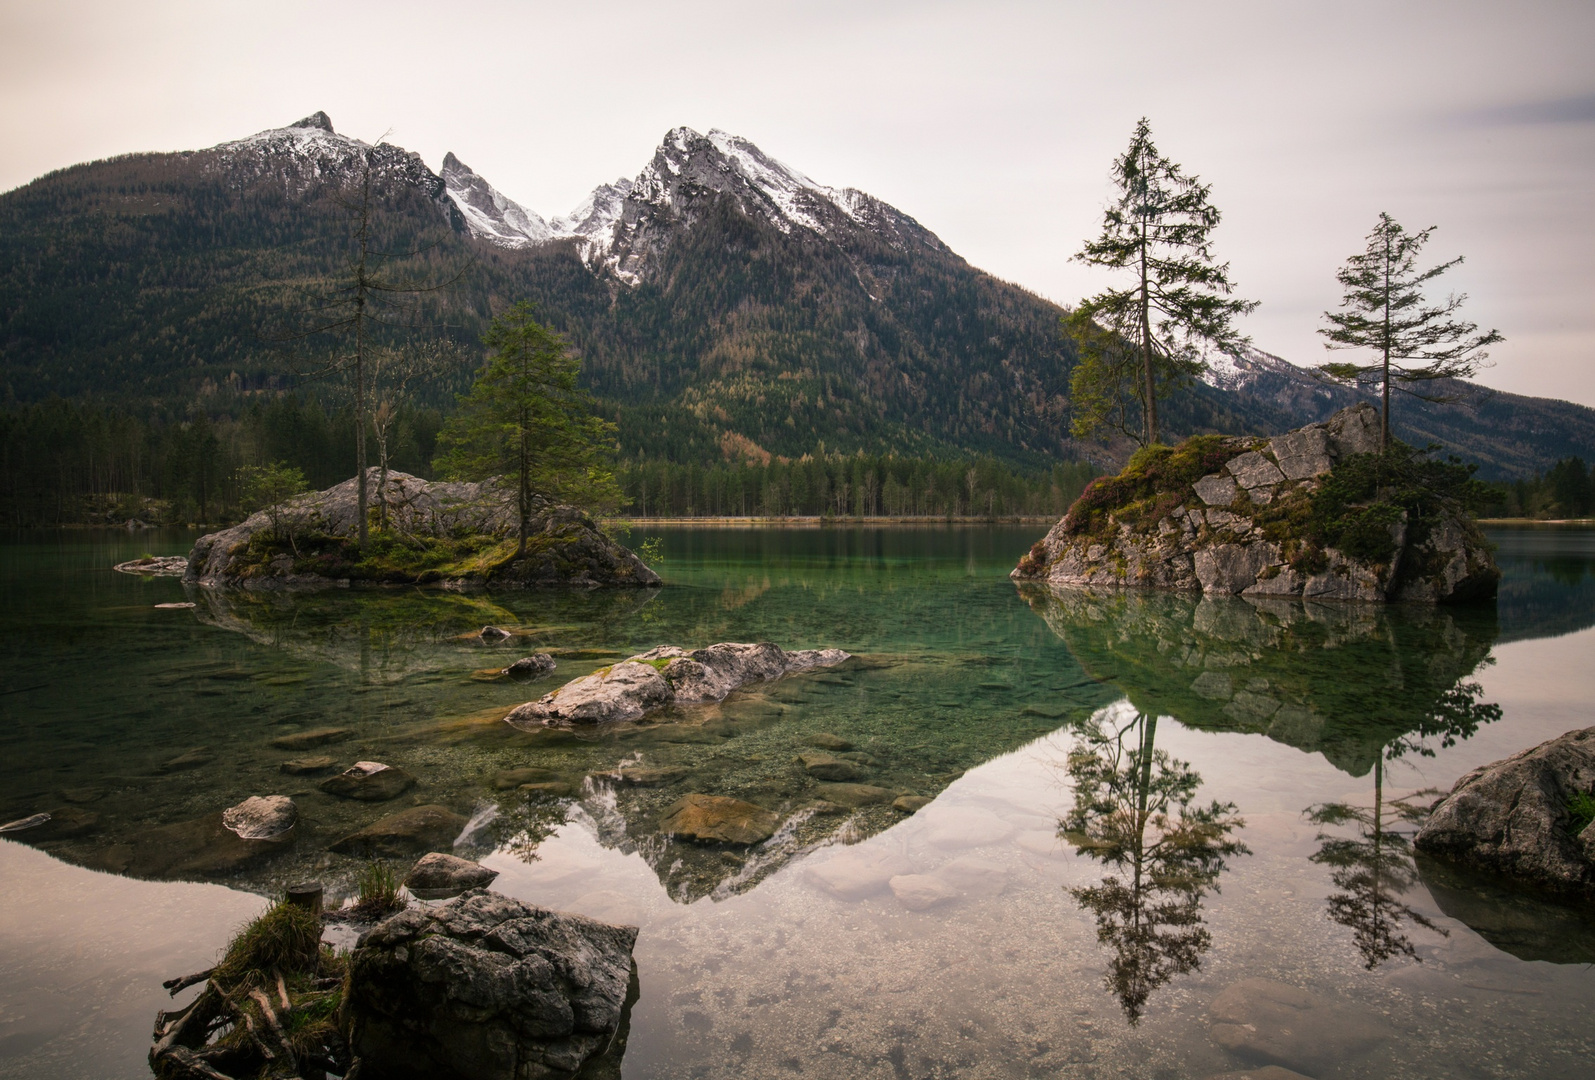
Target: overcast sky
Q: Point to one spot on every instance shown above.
(992, 123)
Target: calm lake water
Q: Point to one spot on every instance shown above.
(1000, 931)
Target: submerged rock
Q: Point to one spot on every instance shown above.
(827, 767)
(419, 829)
(304, 740)
(666, 676)
(190, 759)
(564, 548)
(487, 988)
(1513, 817)
(369, 781)
(718, 819)
(437, 875)
(1282, 1025)
(306, 766)
(1228, 515)
(534, 666)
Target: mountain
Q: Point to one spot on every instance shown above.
(724, 304)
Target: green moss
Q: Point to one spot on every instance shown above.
(1151, 485)
(658, 663)
(1582, 809)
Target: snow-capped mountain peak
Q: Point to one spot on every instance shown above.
(488, 213)
(309, 154)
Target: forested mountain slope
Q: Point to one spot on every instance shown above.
(725, 305)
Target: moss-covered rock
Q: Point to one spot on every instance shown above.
(448, 535)
(1318, 513)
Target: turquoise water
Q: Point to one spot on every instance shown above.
(970, 938)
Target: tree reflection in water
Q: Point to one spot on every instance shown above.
(1134, 812)
(1375, 869)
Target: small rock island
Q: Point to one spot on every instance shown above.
(446, 535)
(1318, 513)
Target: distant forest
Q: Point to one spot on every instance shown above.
(66, 463)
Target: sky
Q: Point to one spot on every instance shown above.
(992, 123)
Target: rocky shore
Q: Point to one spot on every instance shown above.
(1317, 513)
(446, 535)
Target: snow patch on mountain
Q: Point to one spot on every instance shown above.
(1226, 372)
(593, 222)
(489, 213)
(309, 153)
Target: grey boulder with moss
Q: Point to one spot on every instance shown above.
(488, 988)
(1233, 515)
(565, 548)
(666, 676)
(1515, 817)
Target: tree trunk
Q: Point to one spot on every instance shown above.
(1384, 428)
(1149, 391)
(525, 493)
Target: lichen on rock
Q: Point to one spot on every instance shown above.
(1317, 513)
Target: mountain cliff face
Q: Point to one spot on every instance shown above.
(723, 304)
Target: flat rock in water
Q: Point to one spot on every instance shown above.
(910, 804)
(826, 741)
(827, 767)
(419, 829)
(1278, 1024)
(531, 667)
(32, 821)
(191, 759)
(550, 789)
(510, 779)
(306, 766)
(157, 566)
(666, 676)
(1512, 817)
(369, 781)
(488, 987)
(718, 819)
(261, 817)
(646, 776)
(920, 891)
(304, 740)
(437, 875)
(853, 796)
(853, 874)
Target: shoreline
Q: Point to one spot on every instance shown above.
(1535, 521)
(816, 522)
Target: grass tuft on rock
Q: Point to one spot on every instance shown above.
(378, 891)
(1581, 808)
(286, 938)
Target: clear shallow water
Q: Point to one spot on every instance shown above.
(800, 958)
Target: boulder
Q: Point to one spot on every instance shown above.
(419, 829)
(436, 875)
(487, 988)
(304, 740)
(1512, 817)
(493, 633)
(666, 676)
(718, 819)
(1274, 1023)
(564, 547)
(369, 781)
(1246, 526)
(534, 666)
(261, 817)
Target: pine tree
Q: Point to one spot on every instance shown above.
(1383, 310)
(527, 416)
(1138, 341)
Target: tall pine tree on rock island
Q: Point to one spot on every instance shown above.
(1139, 341)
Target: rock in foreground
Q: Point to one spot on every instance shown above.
(487, 988)
(1514, 817)
(307, 543)
(666, 676)
(1316, 513)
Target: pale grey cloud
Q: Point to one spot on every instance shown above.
(993, 123)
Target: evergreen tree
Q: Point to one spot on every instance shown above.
(1383, 310)
(1138, 341)
(527, 416)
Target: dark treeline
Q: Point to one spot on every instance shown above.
(65, 462)
(859, 485)
(1565, 490)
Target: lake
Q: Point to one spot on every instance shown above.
(1014, 927)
